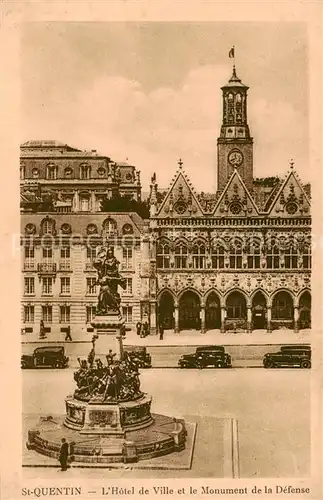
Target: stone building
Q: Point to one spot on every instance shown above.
(62, 225)
(240, 259)
(58, 275)
(75, 180)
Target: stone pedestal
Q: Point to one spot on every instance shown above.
(108, 329)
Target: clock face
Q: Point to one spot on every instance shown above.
(235, 158)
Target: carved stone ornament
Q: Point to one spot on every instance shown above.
(30, 229)
(66, 228)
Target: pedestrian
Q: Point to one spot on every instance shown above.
(68, 334)
(63, 455)
(161, 330)
(145, 329)
(138, 328)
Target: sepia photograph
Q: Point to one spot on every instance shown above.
(166, 253)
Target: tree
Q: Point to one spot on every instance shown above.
(125, 204)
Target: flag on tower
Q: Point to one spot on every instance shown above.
(231, 53)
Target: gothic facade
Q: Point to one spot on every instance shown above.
(238, 260)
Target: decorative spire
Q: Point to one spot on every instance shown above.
(180, 163)
(291, 163)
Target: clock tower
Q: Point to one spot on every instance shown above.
(235, 145)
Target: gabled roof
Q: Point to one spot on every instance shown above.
(291, 198)
(235, 199)
(181, 199)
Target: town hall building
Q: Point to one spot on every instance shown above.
(239, 260)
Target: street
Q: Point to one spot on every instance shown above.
(272, 408)
(165, 356)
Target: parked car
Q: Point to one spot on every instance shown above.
(213, 356)
(296, 347)
(299, 356)
(139, 355)
(50, 357)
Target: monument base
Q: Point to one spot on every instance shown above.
(107, 328)
(163, 436)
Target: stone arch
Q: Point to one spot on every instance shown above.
(212, 310)
(236, 309)
(166, 307)
(189, 307)
(305, 309)
(282, 309)
(259, 309)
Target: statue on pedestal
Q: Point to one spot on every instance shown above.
(109, 279)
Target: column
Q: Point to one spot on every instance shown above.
(268, 319)
(223, 315)
(296, 319)
(153, 329)
(93, 202)
(202, 317)
(249, 318)
(176, 318)
(76, 202)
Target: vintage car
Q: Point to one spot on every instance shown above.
(47, 357)
(296, 355)
(139, 355)
(213, 356)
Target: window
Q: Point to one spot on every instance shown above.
(48, 227)
(253, 255)
(85, 172)
(291, 257)
(29, 258)
(84, 204)
(29, 314)
(90, 256)
(163, 256)
(127, 314)
(199, 256)
(282, 306)
(65, 252)
(90, 286)
(217, 257)
(127, 258)
(236, 306)
(65, 263)
(29, 286)
(273, 257)
(64, 314)
(236, 255)
(181, 256)
(51, 172)
(307, 259)
(110, 226)
(47, 314)
(128, 289)
(22, 172)
(90, 313)
(65, 286)
(47, 253)
(47, 286)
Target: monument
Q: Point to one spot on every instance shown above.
(108, 418)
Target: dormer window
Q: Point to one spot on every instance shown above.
(51, 171)
(35, 173)
(85, 171)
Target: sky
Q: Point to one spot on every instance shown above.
(150, 93)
